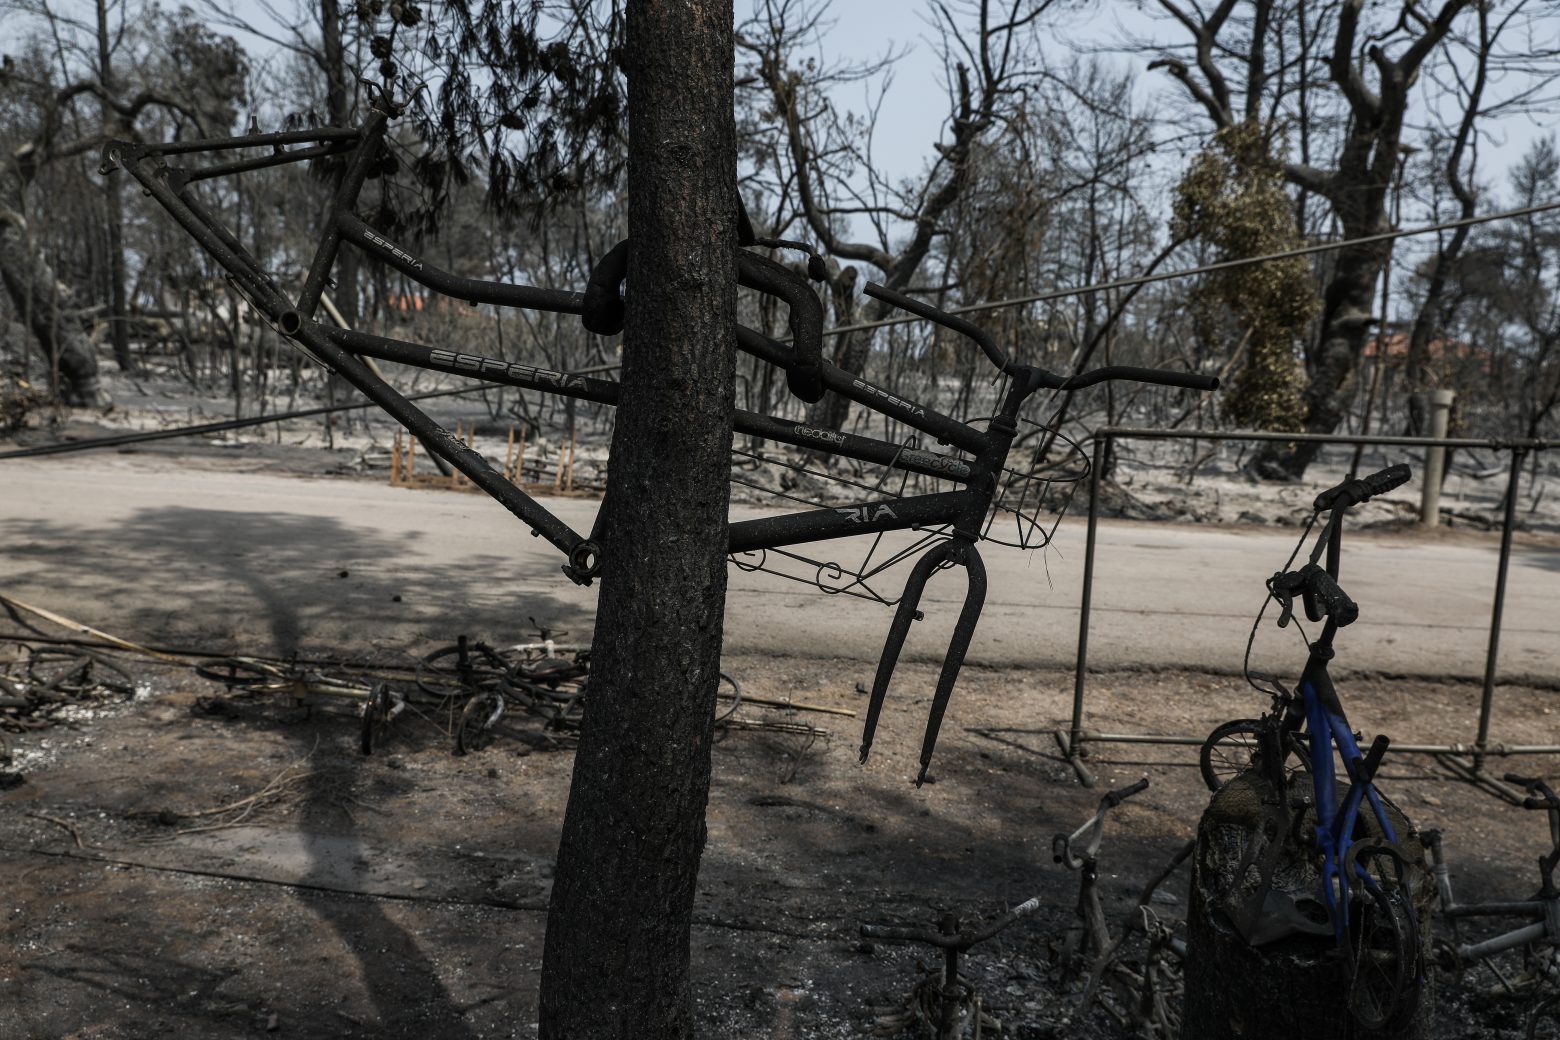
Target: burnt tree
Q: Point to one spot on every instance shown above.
(1372, 74)
(616, 957)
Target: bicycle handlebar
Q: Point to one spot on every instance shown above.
(603, 311)
(1318, 590)
(1042, 379)
(981, 337)
(1324, 598)
(805, 376)
(1353, 492)
(1539, 794)
(1094, 828)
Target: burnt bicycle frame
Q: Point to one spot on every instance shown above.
(341, 351)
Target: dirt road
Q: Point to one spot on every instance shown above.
(189, 862)
(154, 549)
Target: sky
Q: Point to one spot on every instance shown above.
(911, 114)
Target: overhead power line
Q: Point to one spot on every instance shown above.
(1187, 272)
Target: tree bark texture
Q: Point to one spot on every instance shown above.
(34, 293)
(616, 958)
(1294, 988)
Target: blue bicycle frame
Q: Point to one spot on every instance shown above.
(1358, 874)
(1329, 728)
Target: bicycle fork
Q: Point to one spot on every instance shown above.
(953, 553)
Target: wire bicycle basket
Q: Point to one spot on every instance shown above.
(1027, 505)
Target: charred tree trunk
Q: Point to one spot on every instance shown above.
(1291, 988)
(1357, 188)
(34, 293)
(616, 961)
(1348, 316)
(338, 104)
(113, 127)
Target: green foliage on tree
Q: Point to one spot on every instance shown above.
(1233, 198)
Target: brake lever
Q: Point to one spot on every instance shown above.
(1282, 586)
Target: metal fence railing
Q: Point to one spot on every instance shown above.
(1466, 759)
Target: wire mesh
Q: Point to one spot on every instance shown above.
(1027, 504)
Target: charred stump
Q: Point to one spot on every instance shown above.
(1293, 986)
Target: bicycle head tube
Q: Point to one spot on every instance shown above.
(584, 562)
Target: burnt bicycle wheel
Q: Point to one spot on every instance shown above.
(68, 672)
(1228, 751)
(244, 673)
(467, 667)
(378, 712)
(1232, 748)
(1543, 1021)
(478, 722)
(1385, 959)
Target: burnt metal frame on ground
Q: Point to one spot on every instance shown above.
(954, 520)
(1466, 760)
(1542, 909)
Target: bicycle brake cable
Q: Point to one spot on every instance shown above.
(1252, 638)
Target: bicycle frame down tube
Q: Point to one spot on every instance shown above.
(438, 439)
(1361, 787)
(603, 391)
(1325, 792)
(1317, 687)
(1334, 823)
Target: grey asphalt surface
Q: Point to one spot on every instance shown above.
(180, 554)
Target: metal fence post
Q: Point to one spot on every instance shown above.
(1074, 744)
(1507, 523)
(1435, 458)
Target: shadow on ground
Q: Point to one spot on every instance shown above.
(280, 584)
